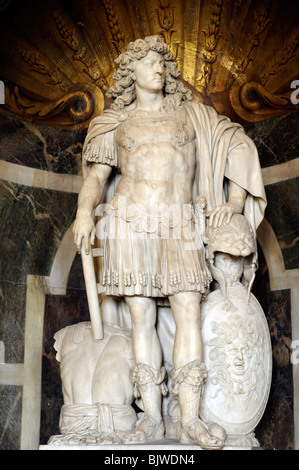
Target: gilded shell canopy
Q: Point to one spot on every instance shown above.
(57, 57)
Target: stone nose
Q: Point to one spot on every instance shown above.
(239, 354)
(240, 245)
(158, 68)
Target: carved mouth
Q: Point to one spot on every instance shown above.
(239, 365)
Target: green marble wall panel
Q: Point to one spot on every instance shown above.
(10, 417)
(33, 222)
(283, 215)
(40, 147)
(276, 139)
(276, 428)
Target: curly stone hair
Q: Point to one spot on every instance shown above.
(123, 91)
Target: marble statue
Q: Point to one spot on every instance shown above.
(236, 339)
(172, 153)
(96, 384)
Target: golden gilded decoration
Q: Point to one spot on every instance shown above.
(261, 21)
(119, 39)
(286, 54)
(262, 96)
(241, 57)
(165, 15)
(75, 106)
(208, 55)
(68, 35)
(36, 64)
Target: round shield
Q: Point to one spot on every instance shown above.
(238, 356)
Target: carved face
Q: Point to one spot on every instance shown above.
(236, 238)
(150, 72)
(238, 357)
(234, 242)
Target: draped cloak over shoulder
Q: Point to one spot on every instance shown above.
(224, 152)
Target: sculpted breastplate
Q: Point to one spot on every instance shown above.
(158, 127)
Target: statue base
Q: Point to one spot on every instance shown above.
(161, 445)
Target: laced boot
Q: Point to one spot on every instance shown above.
(149, 385)
(187, 386)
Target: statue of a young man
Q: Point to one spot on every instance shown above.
(169, 149)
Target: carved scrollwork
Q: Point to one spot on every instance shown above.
(254, 99)
(253, 102)
(239, 57)
(76, 106)
(253, 96)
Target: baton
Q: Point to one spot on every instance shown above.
(92, 293)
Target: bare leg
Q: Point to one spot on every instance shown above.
(187, 347)
(146, 345)
(148, 374)
(189, 372)
(109, 309)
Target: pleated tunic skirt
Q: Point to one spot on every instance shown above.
(151, 255)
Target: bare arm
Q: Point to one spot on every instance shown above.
(235, 204)
(89, 197)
